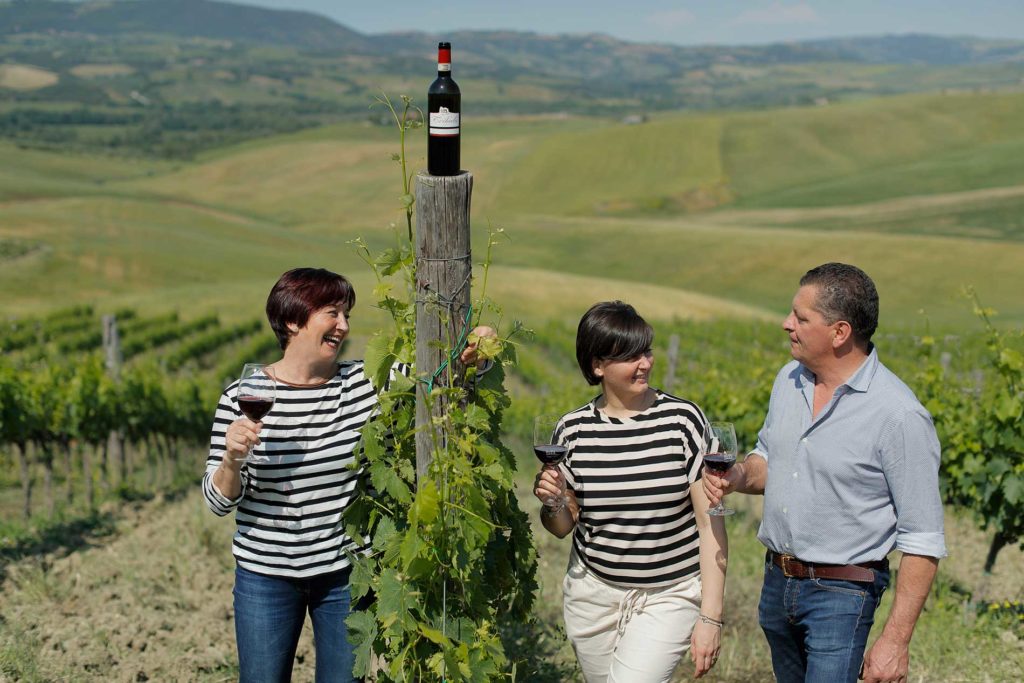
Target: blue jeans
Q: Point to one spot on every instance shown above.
(269, 615)
(817, 628)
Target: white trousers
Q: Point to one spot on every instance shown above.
(627, 635)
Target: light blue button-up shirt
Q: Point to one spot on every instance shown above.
(858, 480)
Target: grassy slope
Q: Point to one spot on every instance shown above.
(863, 151)
(760, 266)
(220, 229)
(876, 149)
(31, 174)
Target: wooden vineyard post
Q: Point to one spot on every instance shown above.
(443, 272)
(673, 359)
(115, 441)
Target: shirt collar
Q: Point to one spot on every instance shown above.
(859, 381)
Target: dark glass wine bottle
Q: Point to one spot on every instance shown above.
(444, 107)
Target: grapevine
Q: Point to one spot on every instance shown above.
(452, 556)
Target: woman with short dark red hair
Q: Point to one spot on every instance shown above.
(290, 493)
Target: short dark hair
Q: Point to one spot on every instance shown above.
(845, 293)
(302, 291)
(610, 330)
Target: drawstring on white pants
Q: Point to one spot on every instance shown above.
(633, 602)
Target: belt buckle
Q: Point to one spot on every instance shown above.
(785, 565)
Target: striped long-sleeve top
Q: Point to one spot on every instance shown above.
(632, 478)
(298, 482)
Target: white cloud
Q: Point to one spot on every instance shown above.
(779, 13)
(671, 19)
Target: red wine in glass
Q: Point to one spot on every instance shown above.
(545, 436)
(550, 454)
(255, 407)
(721, 458)
(719, 463)
(256, 392)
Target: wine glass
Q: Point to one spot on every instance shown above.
(721, 456)
(548, 450)
(256, 392)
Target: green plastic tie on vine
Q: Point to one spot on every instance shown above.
(454, 353)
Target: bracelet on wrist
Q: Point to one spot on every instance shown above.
(713, 622)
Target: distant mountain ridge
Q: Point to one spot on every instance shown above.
(584, 54)
(185, 18)
(173, 77)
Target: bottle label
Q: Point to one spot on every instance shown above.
(442, 66)
(444, 122)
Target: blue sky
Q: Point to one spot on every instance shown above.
(685, 23)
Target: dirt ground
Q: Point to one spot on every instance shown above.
(152, 600)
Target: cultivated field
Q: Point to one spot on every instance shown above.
(697, 217)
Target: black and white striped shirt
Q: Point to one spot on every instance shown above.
(632, 478)
(298, 482)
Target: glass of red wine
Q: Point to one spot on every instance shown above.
(721, 456)
(256, 392)
(548, 450)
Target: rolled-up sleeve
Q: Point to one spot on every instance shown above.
(910, 457)
(218, 503)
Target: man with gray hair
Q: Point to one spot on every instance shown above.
(848, 464)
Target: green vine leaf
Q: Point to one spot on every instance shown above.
(1008, 408)
(362, 632)
(386, 531)
(385, 478)
(433, 635)
(360, 580)
(389, 261)
(1013, 489)
(425, 508)
(477, 418)
(395, 602)
(378, 359)
(413, 548)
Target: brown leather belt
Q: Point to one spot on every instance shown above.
(794, 568)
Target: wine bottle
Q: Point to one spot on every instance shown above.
(444, 106)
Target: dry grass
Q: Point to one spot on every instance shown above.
(153, 600)
(535, 294)
(25, 77)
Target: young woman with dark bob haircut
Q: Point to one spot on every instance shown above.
(290, 494)
(646, 571)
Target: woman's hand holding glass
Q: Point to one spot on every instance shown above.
(549, 487)
(257, 390)
(551, 454)
(720, 459)
(242, 436)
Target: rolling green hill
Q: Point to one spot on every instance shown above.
(799, 157)
(923, 192)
